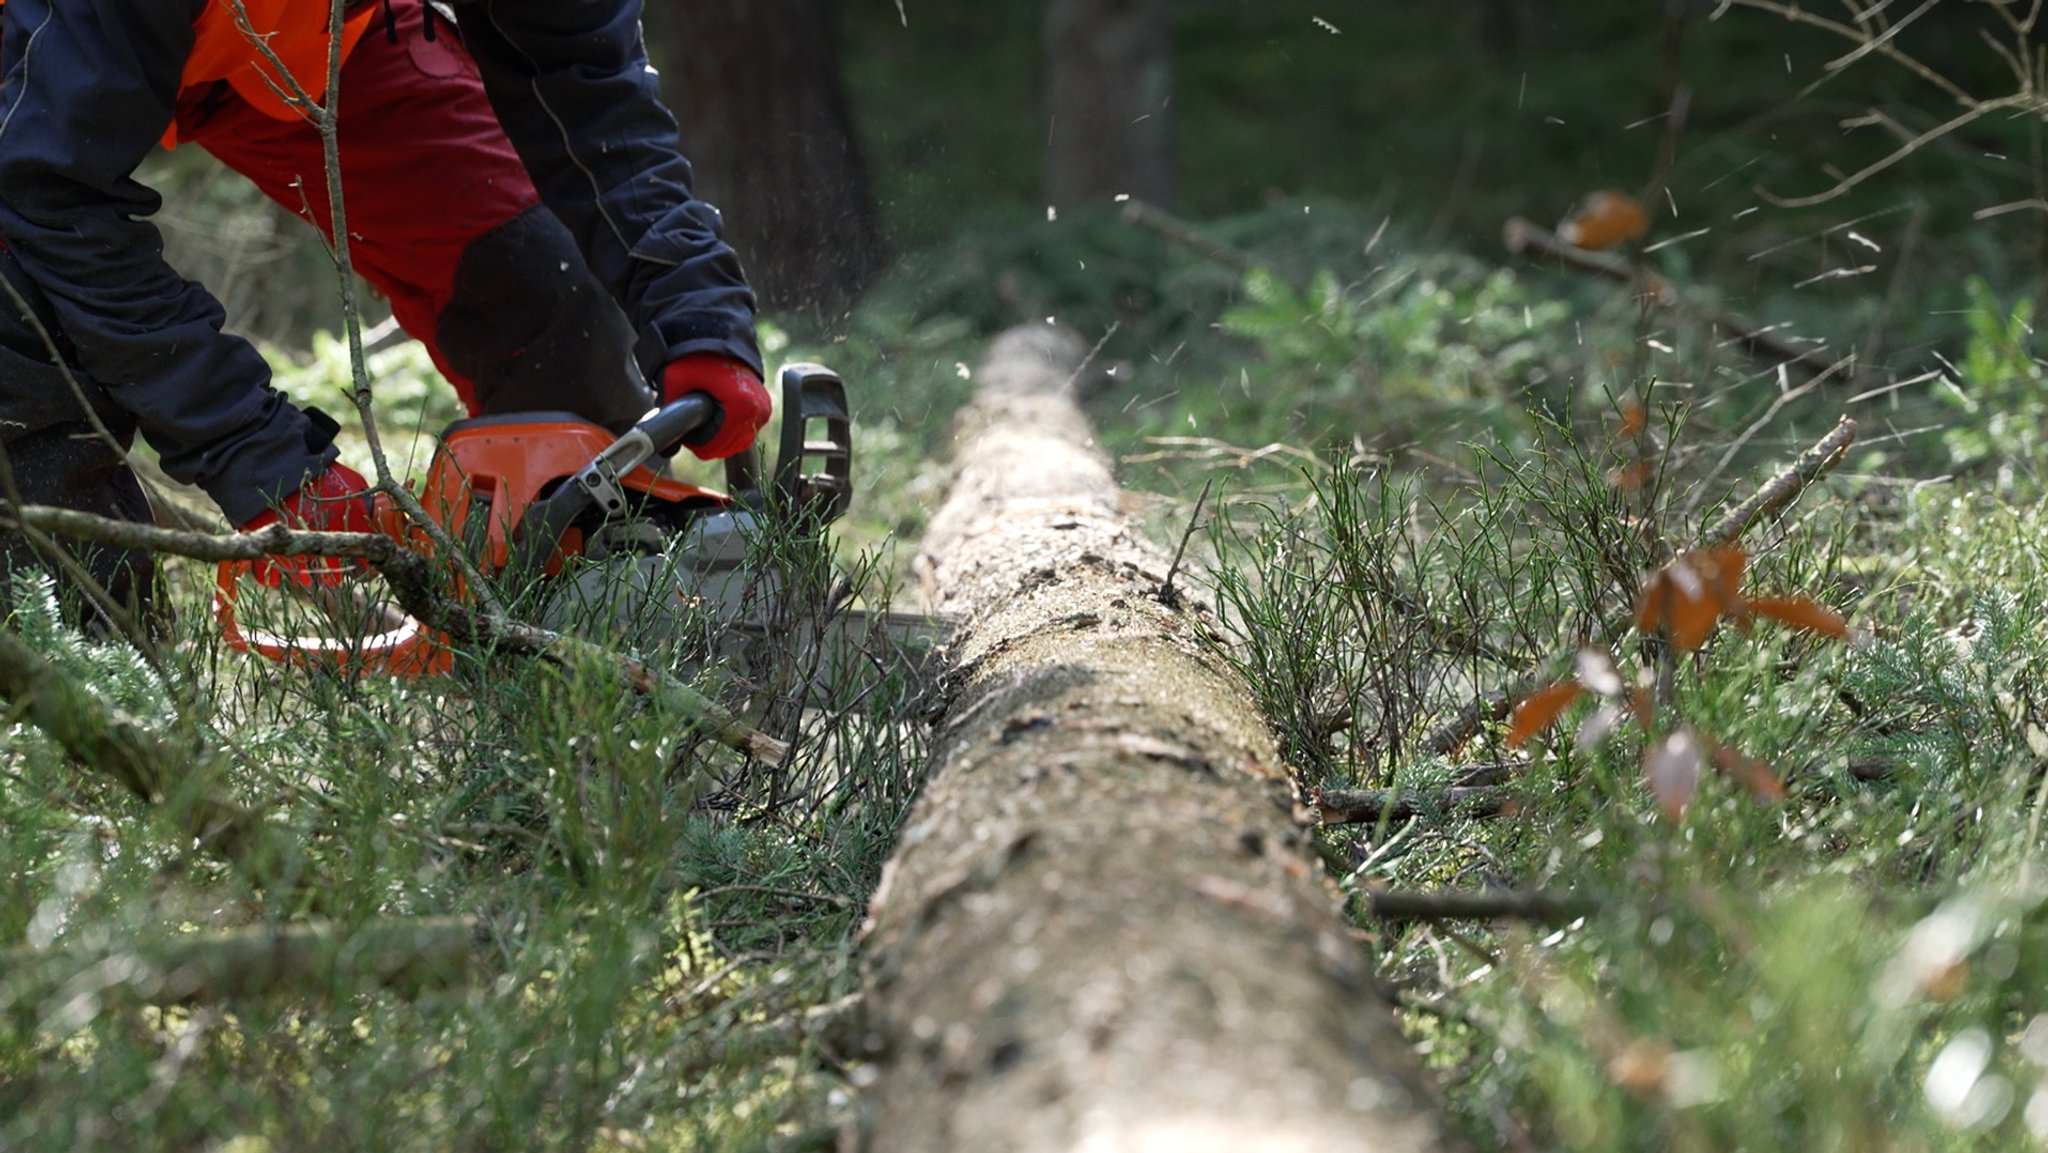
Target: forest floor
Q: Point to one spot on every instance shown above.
(1770, 887)
(1754, 880)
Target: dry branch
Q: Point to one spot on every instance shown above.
(1186, 235)
(1781, 490)
(1101, 928)
(161, 774)
(304, 960)
(1541, 908)
(1774, 495)
(418, 587)
(1524, 238)
(1371, 806)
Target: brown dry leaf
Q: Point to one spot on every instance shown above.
(1752, 774)
(1539, 710)
(1801, 613)
(1629, 477)
(1946, 982)
(1671, 767)
(1688, 597)
(1603, 220)
(1632, 420)
(1642, 1067)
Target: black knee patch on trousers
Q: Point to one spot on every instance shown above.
(72, 466)
(533, 330)
(55, 456)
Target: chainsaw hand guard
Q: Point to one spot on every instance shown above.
(597, 484)
(814, 464)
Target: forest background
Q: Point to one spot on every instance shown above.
(1436, 470)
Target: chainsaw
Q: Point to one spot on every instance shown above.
(548, 501)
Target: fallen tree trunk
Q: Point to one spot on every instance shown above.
(1101, 930)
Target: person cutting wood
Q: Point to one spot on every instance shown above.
(513, 187)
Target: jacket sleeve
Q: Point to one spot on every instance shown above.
(87, 88)
(571, 84)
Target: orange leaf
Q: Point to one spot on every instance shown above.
(1686, 598)
(1539, 710)
(1632, 420)
(1672, 769)
(1603, 220)
(1802, 613)
(1630, 477)
(1750, 773)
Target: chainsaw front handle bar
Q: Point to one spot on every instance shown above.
(597, 484)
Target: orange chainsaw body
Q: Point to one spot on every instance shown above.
(484, 476)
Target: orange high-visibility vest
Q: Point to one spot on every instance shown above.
(295, 30)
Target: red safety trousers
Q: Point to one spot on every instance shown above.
(426, 172)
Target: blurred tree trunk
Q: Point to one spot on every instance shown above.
(767, 126)
(1504, 27)
(1108, 82)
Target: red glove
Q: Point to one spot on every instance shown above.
(337, 500)
(742, 402)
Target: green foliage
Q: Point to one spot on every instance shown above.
(1416, 343)
(1844, 968)
(651, 910)
(2003, 393)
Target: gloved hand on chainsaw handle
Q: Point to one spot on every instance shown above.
(743, 402)
(337, 500)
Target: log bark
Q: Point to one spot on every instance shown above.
(1101, 929)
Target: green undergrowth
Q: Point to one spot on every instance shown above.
(1854, 964)
(659, 925)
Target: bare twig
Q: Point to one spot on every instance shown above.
(1371, 806)
(419, 590)
(1960, 120)
(1524, 236)
(1784, 488)
(1167, 594)
(404, 956)
(1188, 236)
(1542, 908)
(1798, 15)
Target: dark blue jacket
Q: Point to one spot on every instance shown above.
(87, 87)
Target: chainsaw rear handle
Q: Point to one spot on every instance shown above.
(597, 484)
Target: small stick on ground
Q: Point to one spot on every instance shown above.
(1541, 908)
(1371, 806)
(1167, 594)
